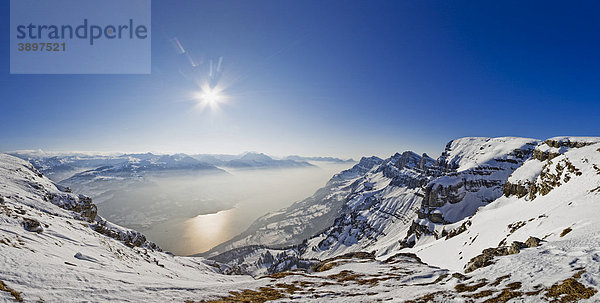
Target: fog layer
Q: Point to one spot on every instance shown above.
(188, 214)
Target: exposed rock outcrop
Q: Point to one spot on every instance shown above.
(470, 173)
(32, 225)
(131, 238)
(488, 255)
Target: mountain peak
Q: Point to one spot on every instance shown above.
(254, 156)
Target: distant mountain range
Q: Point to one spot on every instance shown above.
(251, 160)
(260, 160)
(61, 166)
(318, 159)
(98, 175)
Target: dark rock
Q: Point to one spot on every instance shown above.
(543, 156)
(327, 264)
(516, 247)
(32, 225)
(454, 232)
(437, 218)
(86, 208)
(533, 242)
(479, 261)
(515, 189)
(567, 143)
(487, 255)
(128, 237)
(485, 258)
(401, 257)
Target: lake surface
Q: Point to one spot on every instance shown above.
(188, 215)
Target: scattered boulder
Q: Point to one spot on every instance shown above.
(83, 257)
(485, 258)
(330, 263)
(565, 232)
(533, 242)
(130, 238)
(86, 208)
(516, 247)
(32, 225)
(454, 232)
(487, 255)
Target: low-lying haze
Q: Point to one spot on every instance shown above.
(191, 214)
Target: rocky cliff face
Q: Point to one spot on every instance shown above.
(470, 173)
(385, 205)
(409, 201)
(380, 204)
(547, 169)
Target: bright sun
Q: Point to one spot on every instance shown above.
(210, 96)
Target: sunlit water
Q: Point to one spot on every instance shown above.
(188, 215)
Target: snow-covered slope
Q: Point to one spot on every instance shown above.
(380, 205)
(559, 193)
(473, 173)
(54, 248)
(491, 220)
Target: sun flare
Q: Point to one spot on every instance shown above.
(210, 96)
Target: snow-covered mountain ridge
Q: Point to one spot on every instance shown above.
(377, 200)
(451, 210)
(379, 238)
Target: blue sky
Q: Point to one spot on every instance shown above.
(342, 78)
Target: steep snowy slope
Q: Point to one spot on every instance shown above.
(553, 202)
(380, 205)
(53, 246)
(375, 201)
(474, 172)
(558, 194)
